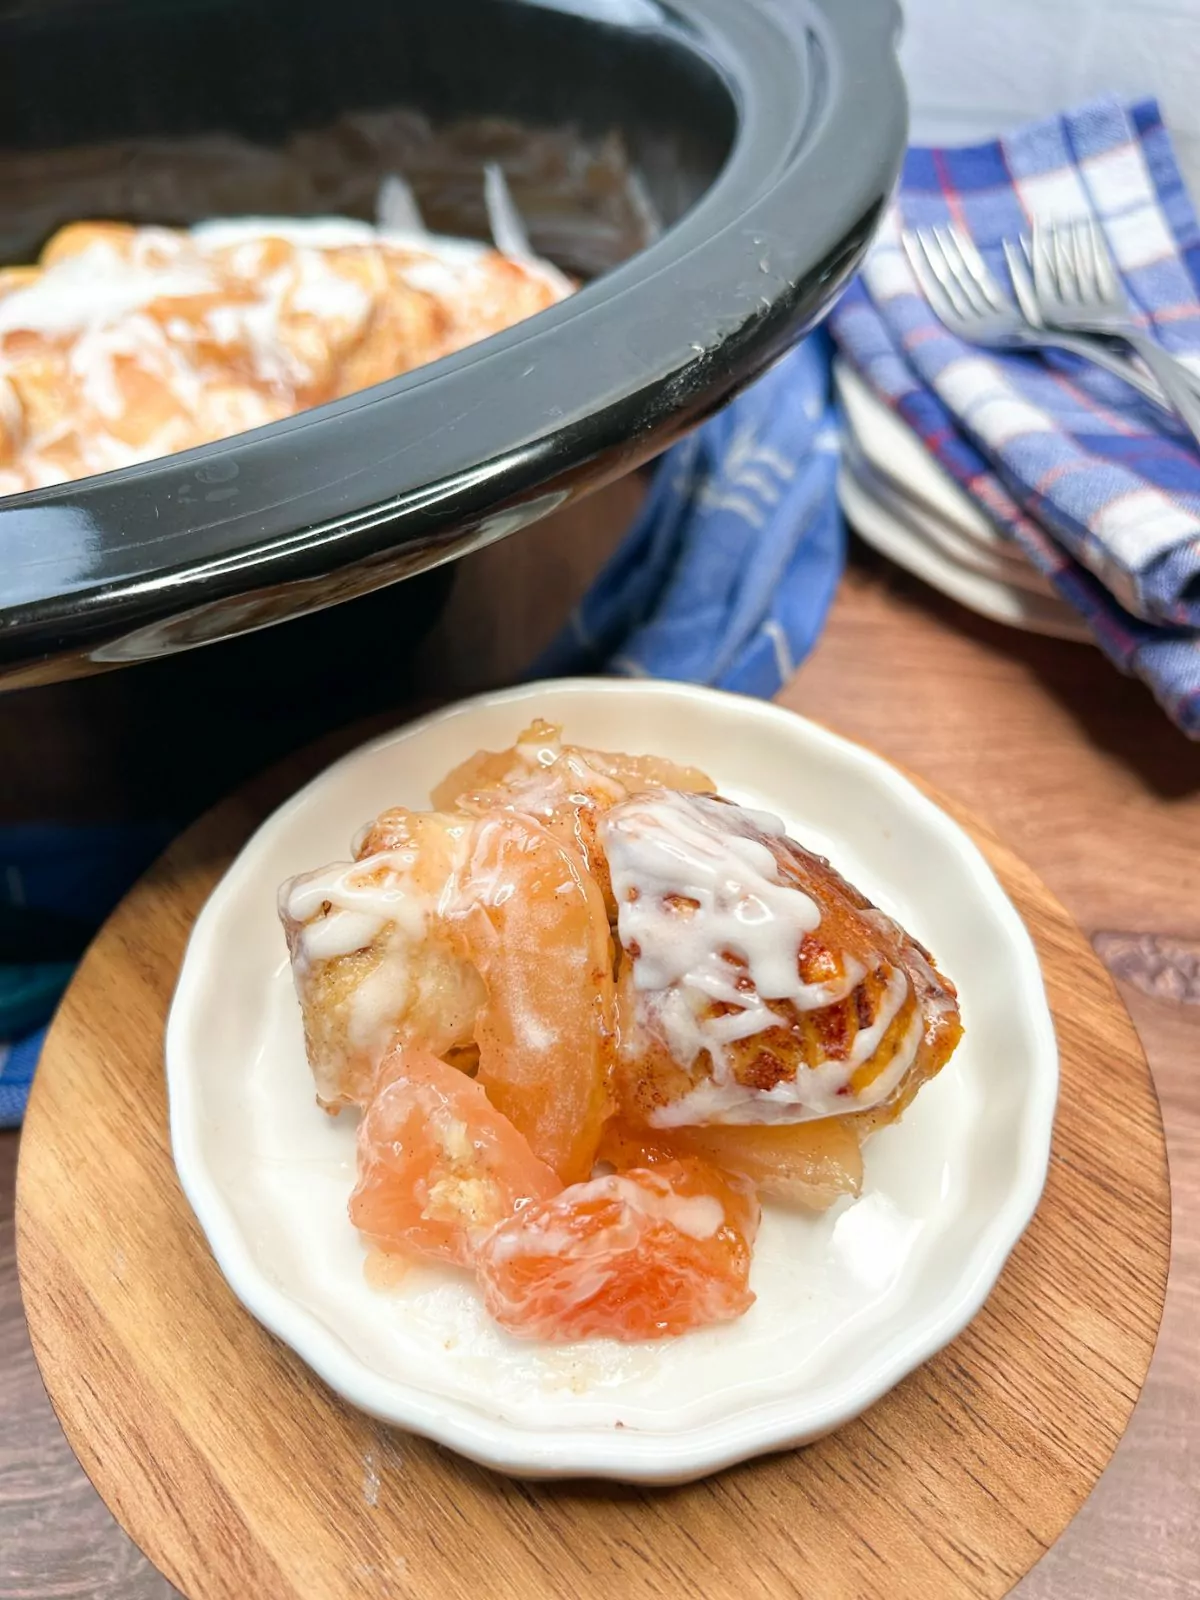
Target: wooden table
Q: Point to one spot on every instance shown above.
(1076, 770)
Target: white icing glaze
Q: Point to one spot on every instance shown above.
(564, 769)
(106, 313)
(96, 287)
(542, 779)
(693, 887)
(699, 1216)
(317, 233)
(364, 897)
(385, 903)
(322, 292)
(818, 1093)
(680, 846)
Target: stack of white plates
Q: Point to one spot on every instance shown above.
(897, 497)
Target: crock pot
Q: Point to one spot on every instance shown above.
(765, 135)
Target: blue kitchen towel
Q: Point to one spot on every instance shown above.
(728, 572)
(57, 884)
(1091, 483)
(17, 1061)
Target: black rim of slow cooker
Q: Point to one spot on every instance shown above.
(579, 394)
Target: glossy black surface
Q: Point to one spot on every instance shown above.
(768, 131)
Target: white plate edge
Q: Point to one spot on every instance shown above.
(635, 1455)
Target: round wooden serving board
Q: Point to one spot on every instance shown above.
(242, 1476)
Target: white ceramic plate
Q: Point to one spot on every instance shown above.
(907, 507)
(847, 1303)
(902, 534)
(979, 544)
(944, 538)
(891, 446)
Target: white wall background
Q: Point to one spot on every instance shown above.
(977, 67)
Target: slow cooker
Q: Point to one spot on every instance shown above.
(754, 142)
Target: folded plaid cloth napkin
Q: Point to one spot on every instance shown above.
(1089, 480)
(725, 578)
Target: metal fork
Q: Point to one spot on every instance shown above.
(1019, 256)
(966, 297)
(1077, 289)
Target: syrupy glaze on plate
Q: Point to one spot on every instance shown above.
(437, 938)
(123, 344)
(566, 787)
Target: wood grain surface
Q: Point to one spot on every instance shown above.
(1077, 769)
(1081, 774)
(239, 1473)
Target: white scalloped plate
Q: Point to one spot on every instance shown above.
(848, 1303)
(906, 506)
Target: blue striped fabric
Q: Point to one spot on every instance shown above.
(1086, 477)
(68, 878)
(17, 1061)
(727, 575)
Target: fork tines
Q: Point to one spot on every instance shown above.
(951, 271)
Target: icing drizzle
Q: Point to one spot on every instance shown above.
(706, 918)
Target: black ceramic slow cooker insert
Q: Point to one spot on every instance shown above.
(765, 135)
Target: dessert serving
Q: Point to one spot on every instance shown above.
(127, 343)
(592, 1014)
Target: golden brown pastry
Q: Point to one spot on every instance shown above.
(565, 786)
(480, 940)
(127, 343)
(759, 992)
(755, 1012)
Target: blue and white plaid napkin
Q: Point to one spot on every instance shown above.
(1086, 477)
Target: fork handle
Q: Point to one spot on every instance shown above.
(1094, 349)
(1176, 382)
